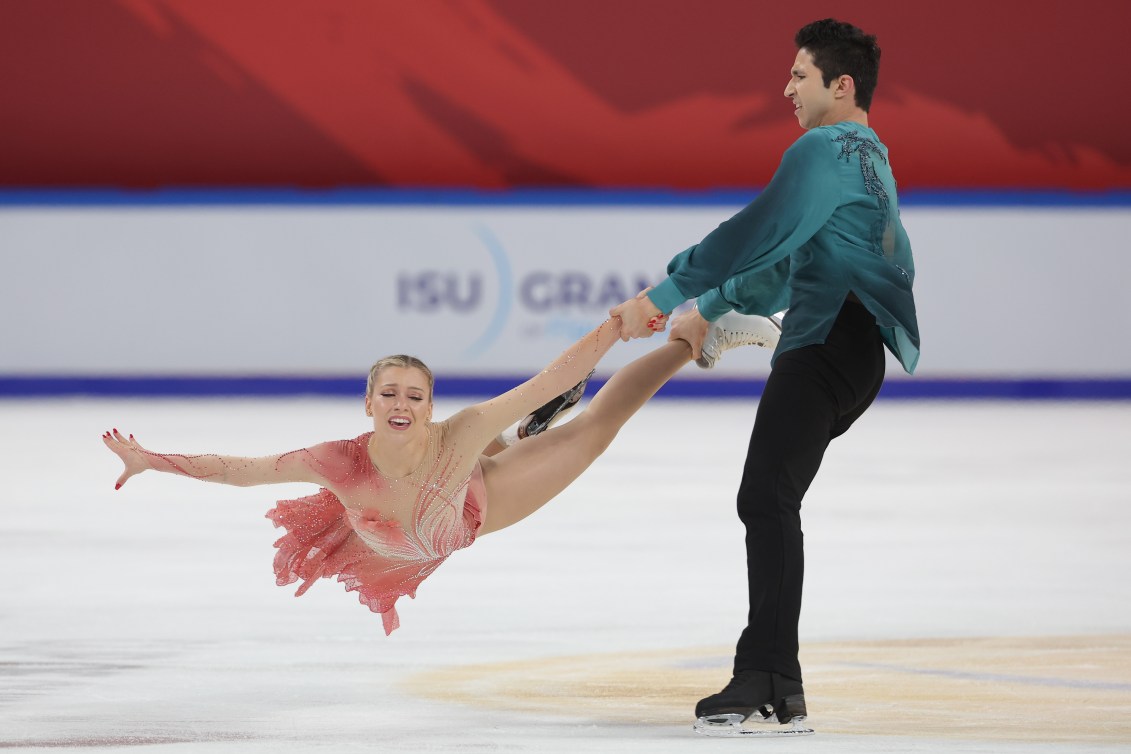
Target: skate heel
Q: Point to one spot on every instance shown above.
(789, 707)
(797, 727)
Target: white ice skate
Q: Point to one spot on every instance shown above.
(732, 330)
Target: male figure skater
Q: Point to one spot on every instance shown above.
(823, 240)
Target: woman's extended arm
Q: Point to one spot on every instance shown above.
(234, 470)
(483, 421)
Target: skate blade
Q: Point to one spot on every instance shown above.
(730, 726)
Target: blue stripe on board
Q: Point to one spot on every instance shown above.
(344, 197)
(54, 386)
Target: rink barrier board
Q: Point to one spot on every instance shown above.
(51, 385)
(54, 386)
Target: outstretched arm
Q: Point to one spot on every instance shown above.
(755, 243)
(480, 423)
(235, 470)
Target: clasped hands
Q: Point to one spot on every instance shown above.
(640, 318)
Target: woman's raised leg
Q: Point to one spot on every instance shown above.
(527, 475)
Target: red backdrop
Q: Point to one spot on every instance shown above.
(501, 93)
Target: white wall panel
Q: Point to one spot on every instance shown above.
(309, 290)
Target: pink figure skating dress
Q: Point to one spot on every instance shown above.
(341, 531)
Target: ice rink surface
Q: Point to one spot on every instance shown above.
(967, 590)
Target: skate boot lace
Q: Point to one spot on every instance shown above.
(734, 330)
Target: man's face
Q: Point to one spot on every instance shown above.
(812, 100)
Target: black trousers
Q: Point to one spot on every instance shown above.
(813, 394)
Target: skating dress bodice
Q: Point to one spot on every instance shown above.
(379, 535)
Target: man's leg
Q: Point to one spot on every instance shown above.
(791, 432)
(813, 394)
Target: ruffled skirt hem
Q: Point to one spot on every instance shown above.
(320, 544)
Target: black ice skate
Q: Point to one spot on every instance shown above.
(769, 697)
(546, 416)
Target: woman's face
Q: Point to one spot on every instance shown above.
(401, 400)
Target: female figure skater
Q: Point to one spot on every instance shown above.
(397, 501)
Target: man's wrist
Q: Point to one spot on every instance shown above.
(666, 296)
(711, 306)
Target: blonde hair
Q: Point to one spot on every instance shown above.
(399, 360)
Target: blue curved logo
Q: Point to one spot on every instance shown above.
(506, 287)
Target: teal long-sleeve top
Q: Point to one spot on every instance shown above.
(826, 225)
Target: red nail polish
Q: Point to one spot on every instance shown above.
(117, 486)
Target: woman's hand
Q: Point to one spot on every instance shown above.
(132, 454)
(692, 327)
(640, 318)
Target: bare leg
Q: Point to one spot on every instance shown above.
(527, 475)
(495, 447)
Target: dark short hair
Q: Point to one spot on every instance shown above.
(840, 49)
